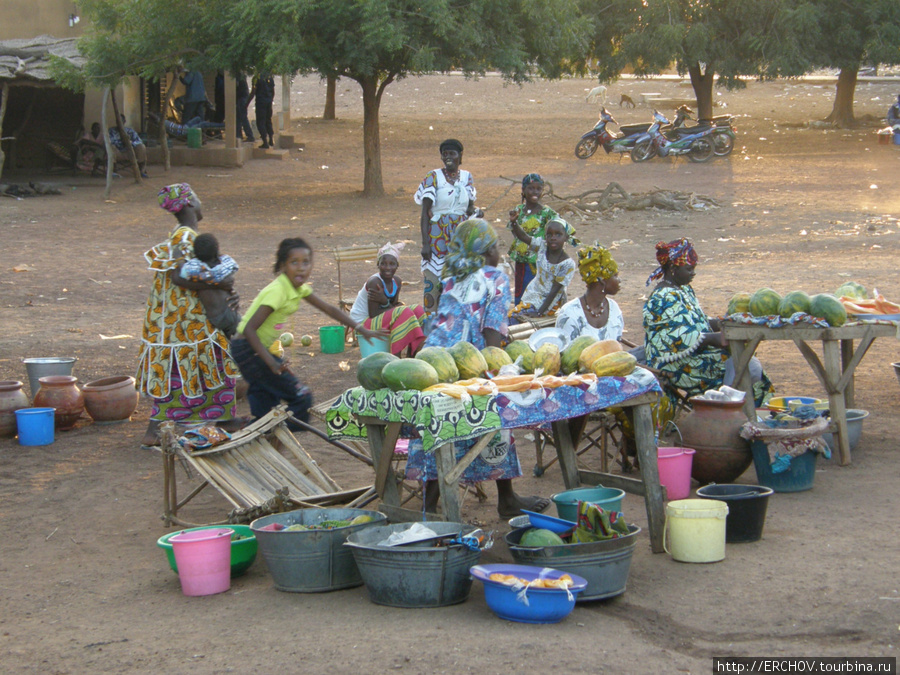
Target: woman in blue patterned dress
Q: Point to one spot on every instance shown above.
(473, 308)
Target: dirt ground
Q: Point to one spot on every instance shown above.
(84, 587)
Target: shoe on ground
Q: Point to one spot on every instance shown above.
(264, 146)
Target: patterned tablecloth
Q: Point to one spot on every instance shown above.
(439, 418)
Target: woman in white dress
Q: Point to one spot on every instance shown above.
(594, 314)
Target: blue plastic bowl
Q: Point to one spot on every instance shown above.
(608, 499)
(545, 605)
(546, 522)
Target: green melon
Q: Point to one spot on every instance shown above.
(495, 358)
(569, 358)
(468, 359)
(739, 304)
(442, 361)
(404, 374)
(764, 302)
(368, 372)
(828, 307)
(518, 348)
(852, 290)
(538, 538)
(793, 302)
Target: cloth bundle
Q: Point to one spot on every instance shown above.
(785, 439)
(596, 524)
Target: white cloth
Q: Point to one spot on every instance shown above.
(539, 288)
(570, 319)
(360, 310)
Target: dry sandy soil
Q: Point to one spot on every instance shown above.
(85, 588)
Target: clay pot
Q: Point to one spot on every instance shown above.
(110, 399)
(713, 430)
(61, 392)
(12, 398)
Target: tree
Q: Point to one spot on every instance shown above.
(377, 42)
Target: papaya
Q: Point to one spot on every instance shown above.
(469, 360)
(441, 360)
(793, 302)
(739, 304)
(617, 364)
(495, 359)
(828, 307)
(595, 351)
(547, 359)
(404, 374)
(569, 358)
(518, 348)
(538, 538)
(368, 372)
(764, 302)
(851, 289)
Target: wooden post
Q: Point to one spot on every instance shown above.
(230, 112)
(647, 456)
(285, 102)
(565, 451)
(832, 363)
(846, 358)
(445, 456)
(4, 97)
(376, 434)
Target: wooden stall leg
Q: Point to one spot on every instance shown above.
(653, 493)
(741, 353)
(565, 451)
(382, 454)
(846, 358)
(832, 364)
(445, 456)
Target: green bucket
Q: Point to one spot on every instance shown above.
(331, 339)
(194, 139)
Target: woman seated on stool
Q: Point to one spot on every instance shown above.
(595, 314)
(473, 308)
(546, 293)
(680, 340)
(378, 306)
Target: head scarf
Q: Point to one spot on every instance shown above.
(451, 144)
(391, 249)
(570, 231)
(532, 178)
(678, 252)
(175, 197)
(465, 254)
(595, 263)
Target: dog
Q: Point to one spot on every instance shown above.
(596, 94)
(626, 101)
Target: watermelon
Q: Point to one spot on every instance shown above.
(547, 359)
(851, 289)
(570, 355)
(739, 304)
(468, 359)
(538, 538)
(793, 302)
(368, 372)
(764, 302)
(518, 348)
(495, 359)
(828, 307)
(441, 360)
(404, 374)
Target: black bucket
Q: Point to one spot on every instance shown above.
(746, 509)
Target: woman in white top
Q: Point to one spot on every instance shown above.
(595, 313)
(546, 293)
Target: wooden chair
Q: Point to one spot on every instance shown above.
(347, 254)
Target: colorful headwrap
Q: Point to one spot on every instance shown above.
(451, 144)
(678, 252)
(532, 178)
(595, 263)
(472, 239)
(175, 197)
(391, 249)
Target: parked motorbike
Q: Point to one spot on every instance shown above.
(723, 129)
(601, 136)
(696, 143)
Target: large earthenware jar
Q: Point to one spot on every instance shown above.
(713, 430)
(12, 398)
(61, 392)
(110, 399)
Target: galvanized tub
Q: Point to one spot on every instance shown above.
(605, 564)
(43, 367)
(315, 560)
(413, 575)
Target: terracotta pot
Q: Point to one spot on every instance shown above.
(61, 392)
(110, 399)
(12, 398)
(712, 429)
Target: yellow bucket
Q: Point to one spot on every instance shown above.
(696, 530)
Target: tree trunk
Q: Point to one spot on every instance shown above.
(4, 97)
(372, 183)
(703, 87)
(330, 88)
(125, 139)
(842, 112)
(110, 152)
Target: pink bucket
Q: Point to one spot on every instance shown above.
(675, 471)
(203, 558)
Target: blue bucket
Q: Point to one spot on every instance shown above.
(797, 478)
(369, 346)
(35, 425)
(608, 499)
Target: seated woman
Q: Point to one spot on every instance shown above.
(595, 314)
(680, 340)
(473, 308)
(378, 307)
(547, 291)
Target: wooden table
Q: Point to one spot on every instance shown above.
(835, 370)
(383, 437)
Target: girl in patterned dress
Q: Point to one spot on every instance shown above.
(532, 217)
(547, 291)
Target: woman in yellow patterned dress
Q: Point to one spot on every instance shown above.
(184, 365)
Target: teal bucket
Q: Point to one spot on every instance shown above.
(369, 346)
(608, 499)
(35, 425)
(797, 478)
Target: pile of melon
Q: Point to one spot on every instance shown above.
(766, 302)
(463, 361)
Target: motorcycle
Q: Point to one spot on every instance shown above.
(612, 143)
(696, 143)
(723, 129)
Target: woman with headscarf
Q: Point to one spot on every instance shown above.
(184, 364)
(378, 307)
(447, 196)
(532, 217)
(595, 314)
(473, 308)
(679, 339)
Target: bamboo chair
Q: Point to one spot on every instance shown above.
(347, 254)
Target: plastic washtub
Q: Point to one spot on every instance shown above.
(544, 605)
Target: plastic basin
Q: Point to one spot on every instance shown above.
(243, 551)
(609, 499)
(545, 605)
(854, 429)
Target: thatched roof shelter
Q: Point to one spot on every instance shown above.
(27, 61)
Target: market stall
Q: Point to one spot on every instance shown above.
(835, 369)
(439, 420)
